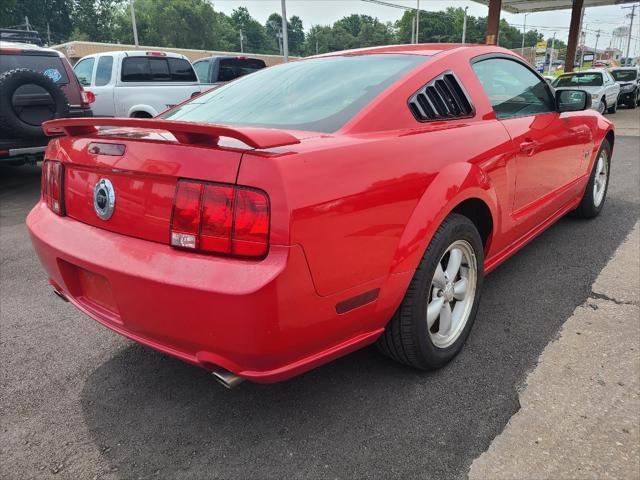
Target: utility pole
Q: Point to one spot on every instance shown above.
(285, 35)
(241, 42)
(418, 21)
(553, 44)
(464, 26)
(413, 29)
(133, 23)
(26, 22)
(631, 15)
(524, 33)
(317, 49)
(279, 37)
(595, 50)
(48, 35)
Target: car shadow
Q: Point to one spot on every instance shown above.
(362, 415)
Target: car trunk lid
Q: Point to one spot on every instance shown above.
(141, 167)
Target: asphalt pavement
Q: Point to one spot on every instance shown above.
(78, 401)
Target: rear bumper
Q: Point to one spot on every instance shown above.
(75, 112)
(15, 148)
(260, 320)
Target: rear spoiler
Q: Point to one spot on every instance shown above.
(184, 132)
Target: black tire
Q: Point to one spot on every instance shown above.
(141, 115)
(11, 122)
(588, 207)
(613, 108)
(406, 338)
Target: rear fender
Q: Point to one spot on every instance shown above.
(142, 108)
(453, 185)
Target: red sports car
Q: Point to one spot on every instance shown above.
(309, 209)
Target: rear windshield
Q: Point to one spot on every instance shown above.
(157, 69)
(579, 80)
(320, 94)
(232, 68)
(624, 75)
(50, 66)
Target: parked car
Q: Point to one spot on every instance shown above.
(36, 84)
(217, 70)
(598, 83)
(136, 83)
(302, 212)
(629, 81)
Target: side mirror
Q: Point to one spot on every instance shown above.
(572, 100)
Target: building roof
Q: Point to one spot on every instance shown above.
(521, 6)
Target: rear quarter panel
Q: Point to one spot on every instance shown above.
(363, 206)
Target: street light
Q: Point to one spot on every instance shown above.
(285, 35)
(464, 26)
(524, 33)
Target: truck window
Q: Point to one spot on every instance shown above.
(202, 70)
(159, 70)
(181, 70)
(103, 70)
(143, 69)
(232, 68)
(84, 71)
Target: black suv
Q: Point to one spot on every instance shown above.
(36, 84)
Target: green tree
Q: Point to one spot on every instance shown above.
(95, 20)
(56, 13)
(193, 24)
(254, 35)
(295, 32)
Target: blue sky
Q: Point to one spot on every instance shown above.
(325, 12)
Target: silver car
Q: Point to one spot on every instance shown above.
(599, 84)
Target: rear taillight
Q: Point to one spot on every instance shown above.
(87, 97)
(52, 185)
(217, 218)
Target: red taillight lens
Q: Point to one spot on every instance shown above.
(217, 219)
(52, 185)
(220, 219)
(88, 97)
(251, 228)
(185, 222)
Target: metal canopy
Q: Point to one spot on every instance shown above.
(522, 6)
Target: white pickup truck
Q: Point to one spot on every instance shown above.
(137, 83)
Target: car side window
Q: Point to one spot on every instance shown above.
(513, 89)
(103, 70)
(202, 70)
(84, 71)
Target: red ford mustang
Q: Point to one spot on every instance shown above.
(312, 208)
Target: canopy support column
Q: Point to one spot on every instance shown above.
(574, 33)
(493, 22)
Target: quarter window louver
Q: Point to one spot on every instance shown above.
(443, 98)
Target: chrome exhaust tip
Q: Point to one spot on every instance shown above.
(226, 378)
(60, 295)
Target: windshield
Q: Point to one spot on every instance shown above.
(320, 94)
(624, 75)
(579, 80)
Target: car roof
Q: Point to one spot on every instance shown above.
(138, 53)
(28, 46)
(592, 70)
(426, 49)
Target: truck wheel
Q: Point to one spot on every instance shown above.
(439, 308)
(27, 99)
(596, 191)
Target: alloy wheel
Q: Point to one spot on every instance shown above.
(452, 294)
(601, 178)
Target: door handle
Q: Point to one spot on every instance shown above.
(528, 146)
